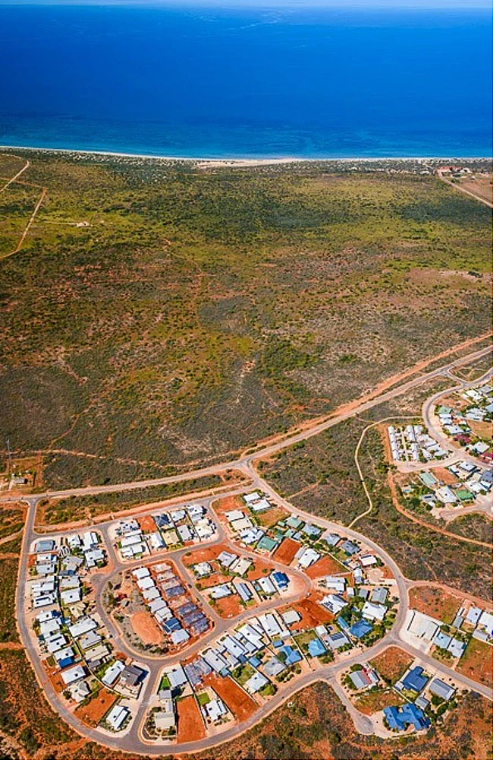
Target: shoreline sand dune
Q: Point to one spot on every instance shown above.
(245, 161)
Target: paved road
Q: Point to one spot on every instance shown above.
(432, 422)
(133, 741)
(244, 462)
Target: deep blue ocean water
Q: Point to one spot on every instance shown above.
(220, 83)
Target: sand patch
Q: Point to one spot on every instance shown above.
(146, 628)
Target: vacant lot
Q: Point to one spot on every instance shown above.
(435, 602)
(286, 551)
(270, 517)
(96, 708)
(477, 662)
(146, 628)
(238, 701)
(324, 567)
(311, 614)
(196, 299)
(392, 664)
(190, 723)
(376, 700)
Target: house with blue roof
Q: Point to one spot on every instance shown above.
(360, 629)
(415, 679)
(393, 720)
(408, 714)
(291, 655)
(280, 579)
(316, 648)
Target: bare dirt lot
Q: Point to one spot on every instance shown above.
(444, 475)
(311, 614)
(435, 602)
(190, 724)
(477, 662)
(392, 663)
(286, 551)
(324, 567)
(204, 554)
(270, 517)
(228, 607)
(238, 701)
(93, 712)
(146, 628)
(375, 700)
(482, 428)
(147, 524)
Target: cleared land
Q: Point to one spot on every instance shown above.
(190, 300)
(435, 602)
(286, 551)
(190, 723)
(376, 700)
(477, 662)
(392, 664)
(238, 701)
(99, 705)
(146, 628)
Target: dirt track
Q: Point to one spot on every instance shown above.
(421, 522)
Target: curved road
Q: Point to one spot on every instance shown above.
(133, 741)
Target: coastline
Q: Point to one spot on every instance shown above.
(244, 161)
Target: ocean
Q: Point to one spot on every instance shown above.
(225, 83)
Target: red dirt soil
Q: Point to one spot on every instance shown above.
(238, 701)
(444, 475)
(311, 614)
(225, 504)
(54, 676)
(93, 712)
(477, 662)
(324, 567)
(146, 628)
(286, 551)
(261, 567)
(392, 663)
(190, 724)
(228, 607)
(147, 524)
(204, 554)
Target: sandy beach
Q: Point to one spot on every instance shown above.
(209, 162)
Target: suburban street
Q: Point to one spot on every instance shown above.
(134, 741)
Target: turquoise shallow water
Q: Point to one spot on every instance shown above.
(220, 83)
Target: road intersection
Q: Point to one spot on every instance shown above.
(134, 741)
